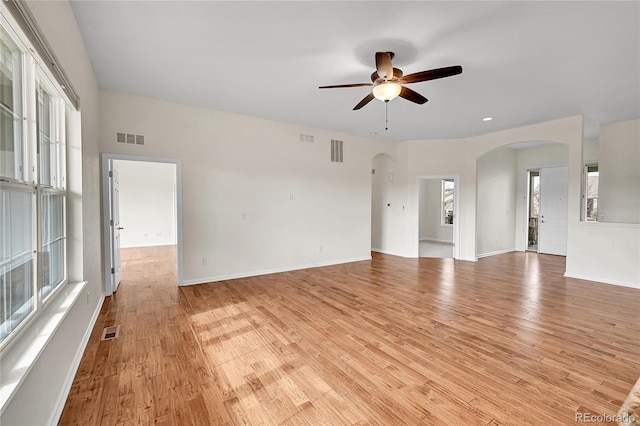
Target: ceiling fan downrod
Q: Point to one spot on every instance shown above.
(386, 115)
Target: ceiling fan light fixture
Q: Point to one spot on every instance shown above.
(387, 91)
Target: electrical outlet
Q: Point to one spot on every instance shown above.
(244, 216)
(291, 196)
(88, 296)
(320, 249)
(204, 260)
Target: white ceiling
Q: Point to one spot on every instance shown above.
(524, 62)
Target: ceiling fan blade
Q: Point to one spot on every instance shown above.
(383, 65)
(412, 96)
(365, 101)
(346, 85)
(431, 74)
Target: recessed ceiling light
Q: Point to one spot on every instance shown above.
(373, 133)
(487, 119)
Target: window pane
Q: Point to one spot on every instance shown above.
(16, 259)
(447, 201)
(51, 265)
(46, 139)
(10, 108)
(592, 193)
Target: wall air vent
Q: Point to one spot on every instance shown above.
(306, 138)
(336, 151)
(129, 138)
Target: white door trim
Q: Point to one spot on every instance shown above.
(106, 250)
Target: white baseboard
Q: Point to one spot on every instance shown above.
(494, 253)
(602, 280)
(436, 240)
(270, 271)
(75, 365)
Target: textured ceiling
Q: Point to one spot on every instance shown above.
(524, 62)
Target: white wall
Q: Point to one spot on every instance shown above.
(147, 203)
(255, 198)
(527, 159)
(619, 167)
(590, 151)
(40, 397)
(430, 211)
(496, 202)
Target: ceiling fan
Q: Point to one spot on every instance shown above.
(388, 81)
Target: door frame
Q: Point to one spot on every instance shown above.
(106, 160)
(456, 212)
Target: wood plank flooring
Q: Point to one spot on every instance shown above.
(505, 340)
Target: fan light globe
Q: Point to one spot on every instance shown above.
(387, 91)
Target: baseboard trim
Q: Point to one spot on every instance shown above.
(602, 280)
(494, 253)
(75, 365)
(270, 271)
(147, 245)
(437, 240)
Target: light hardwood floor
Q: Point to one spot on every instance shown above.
(505, 340)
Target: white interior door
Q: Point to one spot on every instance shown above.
(552, 231)
(114, 224)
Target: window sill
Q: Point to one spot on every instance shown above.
(22, 354)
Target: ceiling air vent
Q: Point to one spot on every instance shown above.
(336, 151)
(121, 137)
(131, 138)
(139, 140)
(306, 138)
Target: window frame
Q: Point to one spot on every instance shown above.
(35, 77)
(19, 111)
(585, 195)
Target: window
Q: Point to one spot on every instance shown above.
(534, 193)
(16, 257)
(447, 201)
(591, 192)
(10, 108)
(32, 187)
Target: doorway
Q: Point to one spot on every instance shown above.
(547, 213)
(142, 208)
(437, 216)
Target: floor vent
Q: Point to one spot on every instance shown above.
(110, 333)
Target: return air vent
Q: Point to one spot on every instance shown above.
(306, 138)
(336, 151)
(129, 138)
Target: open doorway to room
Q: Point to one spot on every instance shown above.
(533, 203)
(141, 213)
(436, 216)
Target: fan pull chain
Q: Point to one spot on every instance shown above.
(386, 115)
